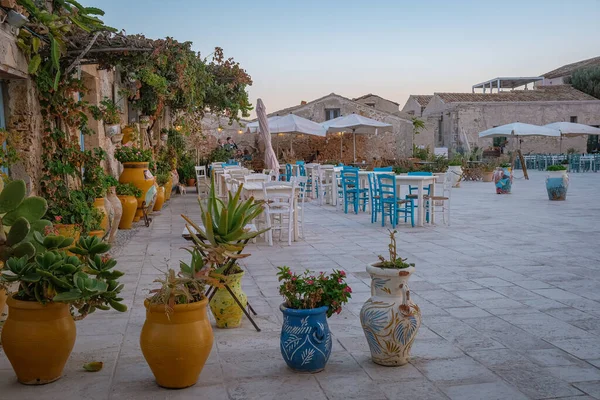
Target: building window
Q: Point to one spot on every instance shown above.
(331, 113)
(370, 104)
(574, 119)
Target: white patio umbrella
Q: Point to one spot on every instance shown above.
(518, 129)
(290, 124)
(572, 129)
(263, 126)
(355, 123)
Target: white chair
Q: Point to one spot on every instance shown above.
(279, 206)
(323, 183)
(256, 178)
(437, 203)
(201, 178)
(302, 182)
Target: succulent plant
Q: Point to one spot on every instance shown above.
(20, 217)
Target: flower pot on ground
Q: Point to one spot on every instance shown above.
(455, 170)
(177, 338)
(557, 182)
(100, 205)
(135, 171)
(503, 180)
(54, 289)
(160, 198)
(191, 182)
(117, 211)
(488, 168)
(389, 318)
(305, 341)
(224, 308)
(169, 188)
(127, 194)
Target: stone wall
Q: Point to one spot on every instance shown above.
(379, 103)
(412, 107)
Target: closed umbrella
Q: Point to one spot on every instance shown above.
(263, 126)
(572, 129)
(355, 123)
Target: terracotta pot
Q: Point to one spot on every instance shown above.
(129, 206)
(487, 176)
(389, 318)
(191, 182)
(169, 188)
(160, 199)
(177, 346)
(100, 204)
(117, 211)
(38, 340)
(133, 172)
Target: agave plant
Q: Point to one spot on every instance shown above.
(224, 236)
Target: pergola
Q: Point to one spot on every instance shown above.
(506, 83)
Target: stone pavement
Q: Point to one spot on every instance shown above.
(509, 294)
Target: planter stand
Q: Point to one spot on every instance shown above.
(145, 211)
(210, 293)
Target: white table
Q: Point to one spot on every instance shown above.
(255, 189)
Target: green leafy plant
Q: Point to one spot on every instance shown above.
(221, 154)
(556, 168)
(96, 182)
(456, 161)
(307, 290)
(224, 235)
(394, 261)
(86, 281)
(128, 189)
(76, 208)
(186, 169)
(128, 153)
(421, 153)
(20, 217)
(163, 178)
(107, 111)
(489, 165)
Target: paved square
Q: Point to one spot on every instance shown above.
(510, 297)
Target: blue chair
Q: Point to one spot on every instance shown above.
(288, 172)
(375, 198)
(233, 164)
(414, 188)
(384, 169)
(352, 192)
(299, 162)
(302, 169)
(390, 204)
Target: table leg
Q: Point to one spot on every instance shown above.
(421, 212)
(296, 227)
(431, 194)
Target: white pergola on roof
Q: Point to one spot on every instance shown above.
(506, 83)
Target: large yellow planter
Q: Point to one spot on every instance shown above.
(176, 346)
(99, 233)
(169, 187)
(129, 204)
(160, 199)
(226, 311)
(105, 224)
(133, 172)
(69, 230)
(2, 300)
(38, 340)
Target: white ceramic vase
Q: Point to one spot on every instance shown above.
(389, 318)
(117, 209)
(455, 172)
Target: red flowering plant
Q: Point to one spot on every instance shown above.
(307, 290)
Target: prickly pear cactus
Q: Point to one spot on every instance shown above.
(20, 216)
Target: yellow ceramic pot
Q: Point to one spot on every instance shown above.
(134, 172)
(2, 300)
(176, 346)
(169, 187)
(68, 230)
(38, 340)
(99, 233)
(104, 225)
(129, 204)
(128, 133)
(160, 199)
(226, 311)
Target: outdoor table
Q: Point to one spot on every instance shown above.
(413, 180)
(255, 189)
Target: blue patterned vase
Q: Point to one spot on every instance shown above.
(305, 339)
(557, 183)
(389, 318)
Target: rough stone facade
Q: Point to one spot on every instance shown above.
(378, 103)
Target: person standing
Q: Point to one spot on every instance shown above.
(230, 145)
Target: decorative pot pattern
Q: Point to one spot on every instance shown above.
(160, 199)
(129, 206)
(503, 180)
(455, 172)
(100, 204)
(112, 130)
(38, 340)
(177, 346)
(224, 308)
(117, 211)
(557, 184)
(389, 318)
(136, 173)
(305, 341)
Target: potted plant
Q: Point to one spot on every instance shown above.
(177, 337)
(110, 114)
(488, 168)
(127, 193)
(310, 299)
(161, 180)
(389, 318)
(557, 182)
(136, 171)
(455, 169)
(503, 178)
(54, 290)
(222, 239)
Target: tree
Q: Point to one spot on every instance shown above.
(587, 80)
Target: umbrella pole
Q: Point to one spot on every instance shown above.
(354, 138)
(341, 140)
(560, 145)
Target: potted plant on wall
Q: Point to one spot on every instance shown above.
(54, 290)
(177, 337)
(127, 193)
(310, 299)
(389, 318)
(110, 114)
(557, 182)
(222, 238)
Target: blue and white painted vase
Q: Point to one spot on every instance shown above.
(389, 318)
(305, 339)
(557, 183)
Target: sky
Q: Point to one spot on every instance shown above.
(303, 50)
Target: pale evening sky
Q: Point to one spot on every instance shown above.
(302, 50)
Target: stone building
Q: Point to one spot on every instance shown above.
(456, 116)
(416, 104)
(559, 76)
(391, 144)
